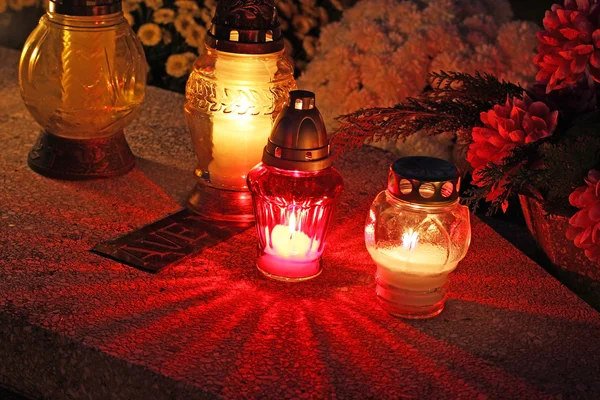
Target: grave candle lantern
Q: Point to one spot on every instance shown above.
(295, 190)
(234, 93)
(82, 77)
(416, 233)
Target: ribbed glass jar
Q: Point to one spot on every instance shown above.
(83, 77)
(232, 101)
(293, 211)
(415, 247)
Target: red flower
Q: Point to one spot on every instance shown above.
(507, 126)
(570, 44)
(585, 224)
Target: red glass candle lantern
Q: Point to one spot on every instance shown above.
(294, 190)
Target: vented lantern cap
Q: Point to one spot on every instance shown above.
(299, 139)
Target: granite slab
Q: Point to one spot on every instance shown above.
(74, 325)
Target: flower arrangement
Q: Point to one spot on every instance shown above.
(539, 141)
(172, 32)
(382, 51)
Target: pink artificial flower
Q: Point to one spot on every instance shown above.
(517, 122)
(585, 224)
(569, 46)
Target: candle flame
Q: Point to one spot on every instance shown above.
(410, 240)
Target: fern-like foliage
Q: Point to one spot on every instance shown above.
(514, 175)
(454, 102)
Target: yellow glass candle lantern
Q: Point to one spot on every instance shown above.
(82, 77)
(235, 91)
(416, 233)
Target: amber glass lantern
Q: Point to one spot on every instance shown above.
(295, 190)
(234, 93)
(82, 77)
(416, 233)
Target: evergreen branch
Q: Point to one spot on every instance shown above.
(455, 102)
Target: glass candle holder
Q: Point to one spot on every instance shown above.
(295, 190)
(416, 233)
(235, 91)
(83, 78)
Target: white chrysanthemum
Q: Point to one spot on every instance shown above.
(521, 63)
(149, 34)
(179, 65)
(383, 50)
(163, 16)
(188, 7)
(183, 24)
(154, 4)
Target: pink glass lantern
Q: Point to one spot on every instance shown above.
(294, 190)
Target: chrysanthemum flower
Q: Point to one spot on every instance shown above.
(517, 122)
(154, 4)
(382, 50)
(188, 7)
(183, 24)
(569, 46)
(149, 34)
(164, 16)
(195, 35)
(179, 65)
(584, 227)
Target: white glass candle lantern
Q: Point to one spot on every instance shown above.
(416, 233)
(234, 93)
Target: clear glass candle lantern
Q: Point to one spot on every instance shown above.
(234, 93)
(416, 233)
(82, 77)
(295, 190)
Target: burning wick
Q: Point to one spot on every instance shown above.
(410, 240)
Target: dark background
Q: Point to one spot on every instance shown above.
(532, 10)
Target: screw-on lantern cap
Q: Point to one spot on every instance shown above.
(424, 180)
(85, 7)
(299, 140)
(245, 27)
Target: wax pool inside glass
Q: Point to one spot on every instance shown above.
(230, 131)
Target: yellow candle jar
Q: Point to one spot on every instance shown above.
(416, 233)
(234, 93)
(83, 78)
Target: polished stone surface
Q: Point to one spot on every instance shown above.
(76, 325)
